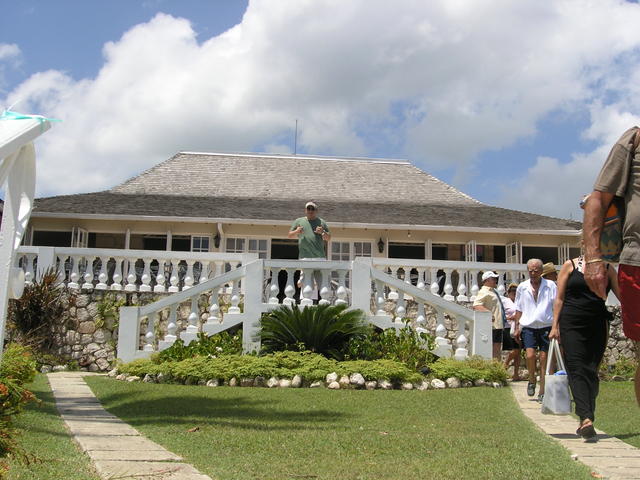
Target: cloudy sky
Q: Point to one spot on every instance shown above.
(514, 103)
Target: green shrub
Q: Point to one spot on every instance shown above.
(380, 369)
(405, 345)
(624, 367)
(324, 329)
(475, 368)
(310, 366)
(222, 343)
(17, 368)
(30, 317)
(18, 364)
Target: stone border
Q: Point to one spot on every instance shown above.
(333, 381)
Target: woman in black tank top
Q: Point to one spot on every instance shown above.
(581, 325)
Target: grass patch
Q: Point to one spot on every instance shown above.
(254, 433)
(617, 412)
(47, 452)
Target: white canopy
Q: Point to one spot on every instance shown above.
(18, 176)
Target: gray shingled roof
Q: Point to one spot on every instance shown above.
(274, 188)
(287, 177)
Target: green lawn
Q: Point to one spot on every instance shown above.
(617, 412)
(49, 452)
(256, 433)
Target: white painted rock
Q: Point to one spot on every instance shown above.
(317, 384)
(480, 382)
(357, 380)
(45, 369)
(122, 376)
(272, 382)
(371, 385)
(331, 377)
(113, 373)
(296, 381)
(284, 383)
(246, 382)
(496, 385)
(438, 384)
(233, 382)
(213, 383)
(133, 378)
(467, 384)
(259, 382)
(385, 384)
(59, 368)
(162, 378)
(148, 379)
(422, 386)
(453, 382)
(344, 381)
(334, 386)
(407, 386)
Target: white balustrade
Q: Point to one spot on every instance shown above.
(125, 270)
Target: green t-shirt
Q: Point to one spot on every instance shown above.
(310, 244)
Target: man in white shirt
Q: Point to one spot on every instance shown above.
(534, 316)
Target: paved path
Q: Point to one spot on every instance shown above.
(117, 450)
(609, 456)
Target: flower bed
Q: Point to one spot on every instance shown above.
(305, 369)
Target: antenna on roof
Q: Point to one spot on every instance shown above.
(295, 140)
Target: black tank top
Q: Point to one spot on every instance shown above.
(578, 297)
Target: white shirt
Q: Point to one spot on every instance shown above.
(536, 314)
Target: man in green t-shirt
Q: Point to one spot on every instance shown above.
(311, 232)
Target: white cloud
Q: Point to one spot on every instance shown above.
(10, 58)
(439, 80)
(9, 50)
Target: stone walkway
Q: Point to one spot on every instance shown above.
(117, 450)
(609, 456)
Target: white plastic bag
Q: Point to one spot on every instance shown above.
(557, 399)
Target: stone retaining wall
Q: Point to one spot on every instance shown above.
(82, 335)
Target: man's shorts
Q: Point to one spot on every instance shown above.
(508, 342)
(629, 282)
(536, 338)
(497, 335)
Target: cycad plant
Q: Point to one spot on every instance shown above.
(324, 329)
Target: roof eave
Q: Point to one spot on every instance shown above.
(370, 226)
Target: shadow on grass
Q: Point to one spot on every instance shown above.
(237, 411)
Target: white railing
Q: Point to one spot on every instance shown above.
(127, 270)
(457, 281)
(254, 288)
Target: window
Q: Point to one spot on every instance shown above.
(340, 251)
(361, 249)
(180, 243)
(258, 246)
(235, 245)
(200, 244)
(43, 238)
(248, 245)
(79, 237)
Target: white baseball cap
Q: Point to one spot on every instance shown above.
(489, 274)
(311, 204)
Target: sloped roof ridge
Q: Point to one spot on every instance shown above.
(148, 170)
(298, 157)
(448, 186)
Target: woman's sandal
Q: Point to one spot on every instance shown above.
(588, 432)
